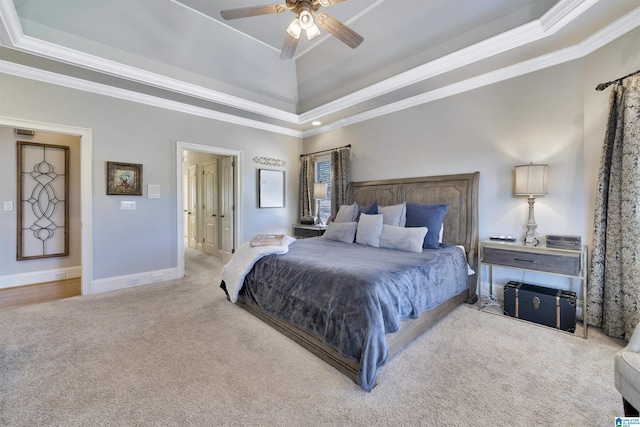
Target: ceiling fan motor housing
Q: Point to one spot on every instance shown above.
(297, 6)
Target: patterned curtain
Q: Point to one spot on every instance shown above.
(613, 297)
(340, 178)
(307, 177)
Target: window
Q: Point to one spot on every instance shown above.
(323, 174)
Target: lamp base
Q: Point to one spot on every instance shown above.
(530, 237)
(318, 219)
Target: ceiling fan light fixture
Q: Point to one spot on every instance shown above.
(294, 29)
(313, 32)
(306, 19)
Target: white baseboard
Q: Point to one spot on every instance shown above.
(24, 279)
(133, 280)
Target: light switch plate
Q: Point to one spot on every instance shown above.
(8, 206)
(153, 191)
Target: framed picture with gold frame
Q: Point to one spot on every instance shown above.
(124, 179)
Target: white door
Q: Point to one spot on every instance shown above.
(226, 208)
(193, 207)
(210, 206)
(185, 220)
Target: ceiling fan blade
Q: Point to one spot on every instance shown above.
(339, 30)
(289, 47)
(244, 12)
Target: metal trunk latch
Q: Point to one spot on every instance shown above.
(536, 303)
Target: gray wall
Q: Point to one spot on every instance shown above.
(129, 242)
(551, 116)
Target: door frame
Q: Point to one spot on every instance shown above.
(86, 182)
(181, 149)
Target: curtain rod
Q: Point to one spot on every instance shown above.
(324, 151)
(603, 86)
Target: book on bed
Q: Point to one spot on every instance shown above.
(267, 240)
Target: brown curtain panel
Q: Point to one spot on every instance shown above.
(340, 178)
(613, 297)
(307, 178)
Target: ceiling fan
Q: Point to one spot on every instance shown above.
(307, 19)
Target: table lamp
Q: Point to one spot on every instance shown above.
(319, 193)
(531, 181)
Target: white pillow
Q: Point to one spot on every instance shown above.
(409, 239)
(347, 213)
(441, 233)
(394, 215)
(341, 231)
(369, 230)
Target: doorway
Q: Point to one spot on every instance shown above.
(208, 200)
(83, 178)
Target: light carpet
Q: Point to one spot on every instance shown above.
(178, 353)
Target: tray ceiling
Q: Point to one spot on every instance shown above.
(183, 52)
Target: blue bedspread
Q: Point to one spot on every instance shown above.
(351, 295)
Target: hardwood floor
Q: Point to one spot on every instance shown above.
(39, 292)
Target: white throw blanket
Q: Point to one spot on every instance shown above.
(234, 272)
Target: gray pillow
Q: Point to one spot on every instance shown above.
(347, 213)
(369, 230)
(394, 214)
(402, 238)
(341, 231)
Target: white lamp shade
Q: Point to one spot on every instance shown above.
(320, 190)
(313, 32)
(294, 29)
(530, 180)
(306, 19)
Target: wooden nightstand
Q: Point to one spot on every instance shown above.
(301, 231)
(561, 262)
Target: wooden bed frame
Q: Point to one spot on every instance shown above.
(460, 227)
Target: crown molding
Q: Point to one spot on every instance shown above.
(38, 47)
(563, 13)
(603, 37)
(12, 29)
(554, 20)
(74, 83)
(560, 15)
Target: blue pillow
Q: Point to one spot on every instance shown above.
(430, 216)
(372, 209)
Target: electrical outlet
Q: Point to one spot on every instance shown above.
(134, 280)
(8, 206)
(157, 277)
(62, 275)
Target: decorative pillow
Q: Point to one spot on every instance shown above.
(394, 215)
(369, 230)
(409, 239)
(430, 216)
(341, 231)
(372, 209)
(347, 213)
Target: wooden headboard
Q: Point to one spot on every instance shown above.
(459, 191)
